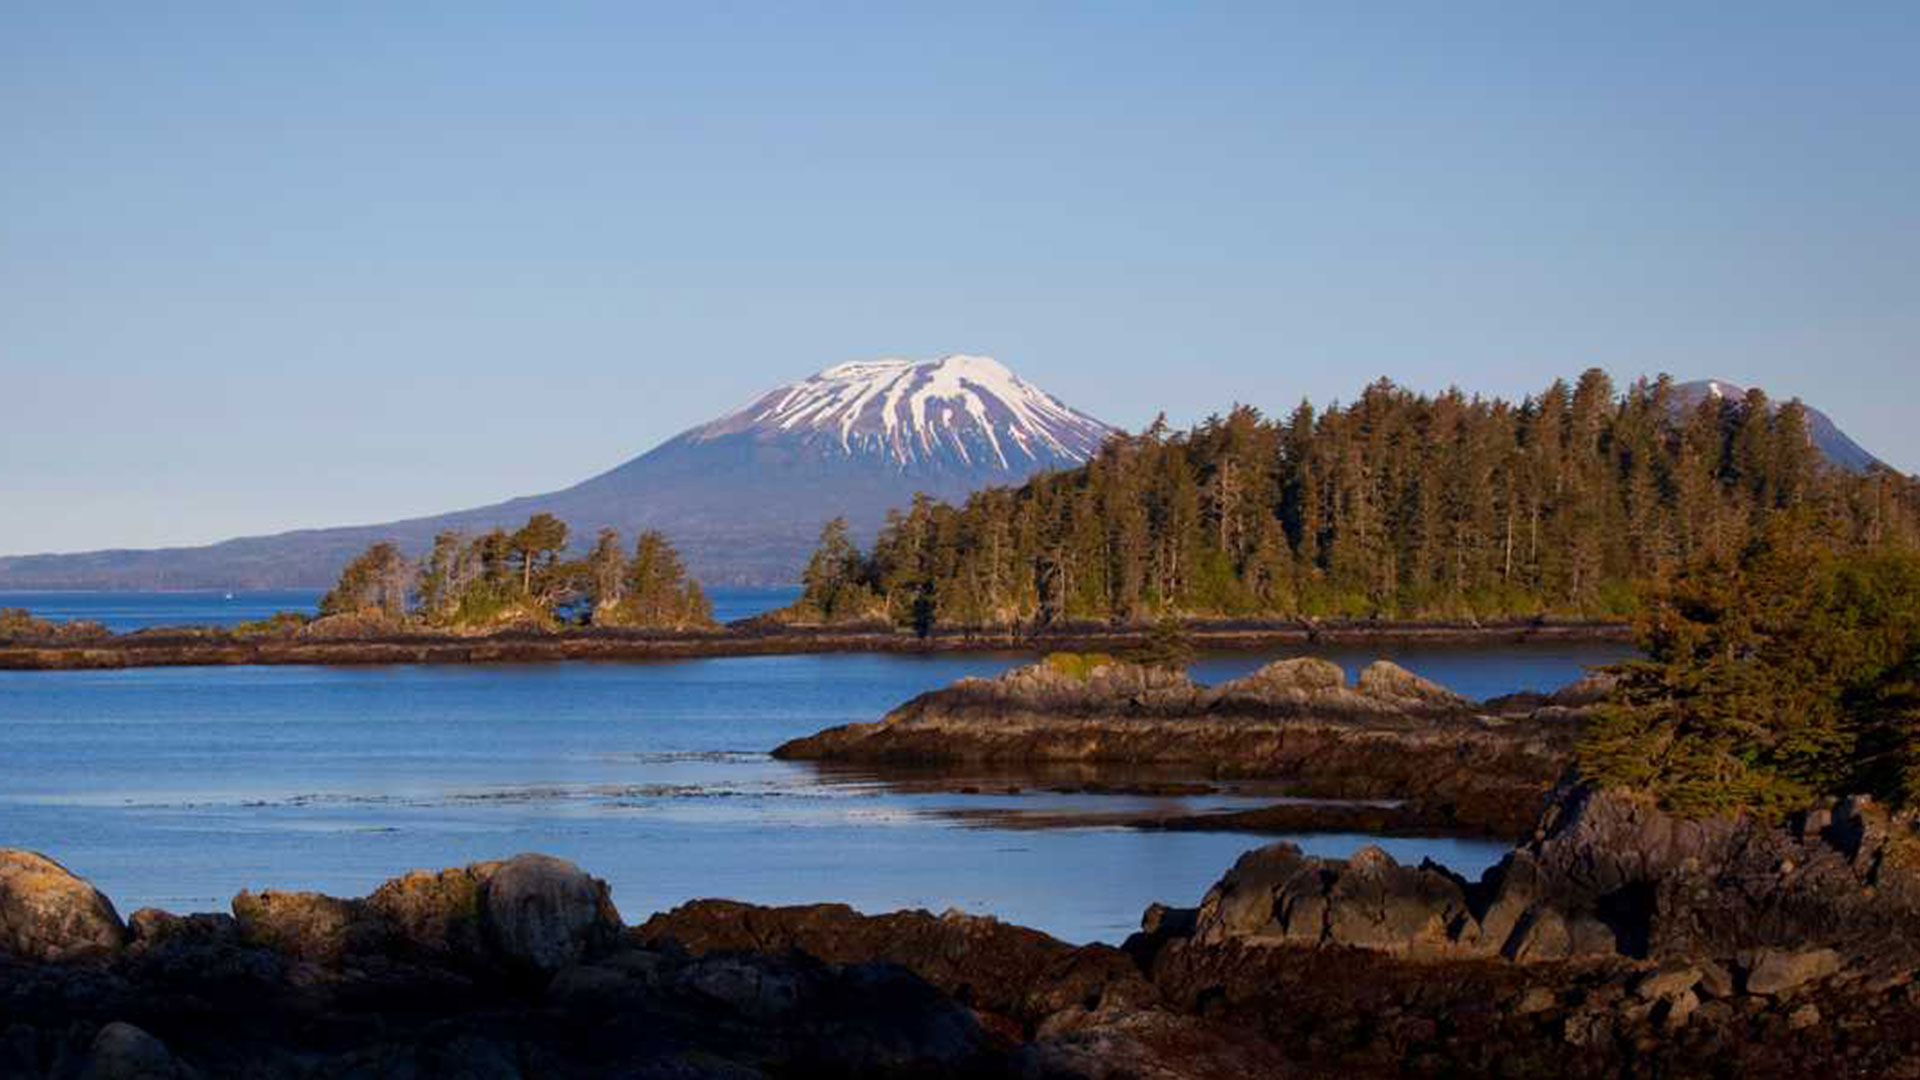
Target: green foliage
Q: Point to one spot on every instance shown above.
(521, 577)
(540, 539)
(833, 583)
(606, 574)
(1782, 674)
(658, 593)
(1168, 646)
(378, 580)
(1396, 506)
(488, 605)
(1077, 666)
(278, 623)
(19, 624)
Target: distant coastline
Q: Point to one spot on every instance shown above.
(190, 647)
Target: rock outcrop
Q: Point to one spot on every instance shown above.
(1390, 736)
(532, 914)
(1611, 877)
(1291, 966)
(48, 913)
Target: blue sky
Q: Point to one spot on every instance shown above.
(263, 268)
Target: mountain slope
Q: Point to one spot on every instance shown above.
(743, 496)
(1826, 435)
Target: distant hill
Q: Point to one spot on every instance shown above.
(743, 496)
(1827, 436)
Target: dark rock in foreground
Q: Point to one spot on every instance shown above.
(1620, 942)
(1462, 765)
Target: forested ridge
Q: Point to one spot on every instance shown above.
(1398, 505)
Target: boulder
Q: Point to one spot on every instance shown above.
(1273, 895)
(124, 1052)
(1276, 896)
(437, 913)
(542, 914)
(1392, 683)
(1303, 674)
(304, 925)
(1376, 903)
(1780, 971)
(49, 913)
(1668, 981)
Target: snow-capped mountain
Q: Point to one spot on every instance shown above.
(967, 413)
(1827, 436)
(743, 496)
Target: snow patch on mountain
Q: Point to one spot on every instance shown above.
(959, 410)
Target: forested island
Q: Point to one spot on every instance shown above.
(1398, 506)
(520, 579)
(1399, 515)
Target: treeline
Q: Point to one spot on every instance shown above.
(1398, 505)
(1775, 677)
(503, 578)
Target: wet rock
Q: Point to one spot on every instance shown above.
(543, 914)
(124, 1052)
(1774, 972)
(49, 913)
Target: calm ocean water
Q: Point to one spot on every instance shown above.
(178, 787)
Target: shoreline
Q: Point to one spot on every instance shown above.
(1617, 941)
(216, 648)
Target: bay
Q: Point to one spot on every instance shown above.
(177, 787)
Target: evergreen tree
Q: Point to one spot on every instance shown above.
(1770, 678)
(542, 537)
(834, 583)
(378, 579)
(1398, 505)
(606, 573)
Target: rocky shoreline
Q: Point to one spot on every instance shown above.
(1441, 763)
(363, 646)
(1618, 941)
